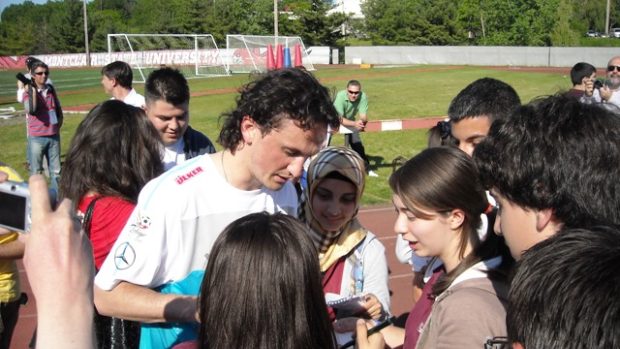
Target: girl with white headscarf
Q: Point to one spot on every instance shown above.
(351, 258)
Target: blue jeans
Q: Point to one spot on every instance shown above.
(48, 146)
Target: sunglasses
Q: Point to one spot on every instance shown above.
(354, 92)
(42, 72)
(613, 67)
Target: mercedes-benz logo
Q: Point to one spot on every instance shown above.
(124, 256)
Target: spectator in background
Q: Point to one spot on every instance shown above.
(21, 88)
(610, 93)
(44, 117)
(167, 107)
(475, 108)
(350, 103)
(552, 165)
(116, 79)
(565, 292)
(583, 75)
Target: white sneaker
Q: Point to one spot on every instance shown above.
(372, 173)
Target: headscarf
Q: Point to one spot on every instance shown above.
(334, 245)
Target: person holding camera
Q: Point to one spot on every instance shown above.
(585, 86)
(44, 118)
(610, 93)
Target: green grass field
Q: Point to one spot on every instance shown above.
(394, 93)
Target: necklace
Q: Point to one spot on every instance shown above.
(223, 168)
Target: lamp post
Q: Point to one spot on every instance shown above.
(607, 20)
(86, 33)
(275, 18)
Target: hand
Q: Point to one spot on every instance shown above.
(374, 309)
(363, 341)
(605, 92)
(589, 87)
(56, 243)
(360, 125)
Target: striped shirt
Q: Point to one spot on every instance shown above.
(39, 119)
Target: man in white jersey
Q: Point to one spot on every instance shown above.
(167, 107)
(280, 120)
(117, 79)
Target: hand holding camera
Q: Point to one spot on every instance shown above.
(15, 207)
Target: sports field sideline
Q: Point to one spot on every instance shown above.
(398, 92)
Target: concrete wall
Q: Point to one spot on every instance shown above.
(480, 55)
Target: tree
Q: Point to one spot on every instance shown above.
(67, 26)
(309, 20)
(563, 34)
(101, 24)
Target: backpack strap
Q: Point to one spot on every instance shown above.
(88, 215)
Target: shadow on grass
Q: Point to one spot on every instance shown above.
(377, 162)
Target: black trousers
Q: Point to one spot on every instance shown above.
(354, 141)
(9, 312)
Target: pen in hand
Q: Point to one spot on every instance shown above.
(370, 332)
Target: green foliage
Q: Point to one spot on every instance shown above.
(66, 30)
(563, 34)
(56, 26)
(309, 20)
(101, 24)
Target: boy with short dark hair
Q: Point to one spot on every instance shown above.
(564, 293)
(475, 108)
(553, 164)
(117, 78)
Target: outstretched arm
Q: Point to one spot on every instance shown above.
(138, 303)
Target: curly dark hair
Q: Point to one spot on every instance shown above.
(286, 93)
(115, 151)
(560, 154)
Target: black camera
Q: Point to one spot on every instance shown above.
(21, 77)
(30, 61)
(598, 84)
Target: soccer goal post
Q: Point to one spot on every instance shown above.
(195, 55)
(248, 53)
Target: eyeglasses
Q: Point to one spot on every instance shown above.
(613, 67)
(42, 72)
(497, 343)
(354, 92)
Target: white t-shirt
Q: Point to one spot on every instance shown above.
(135, 99)
(176, 221)
(173, 154)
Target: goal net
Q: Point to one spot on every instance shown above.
(195, 55)
(248, 53)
